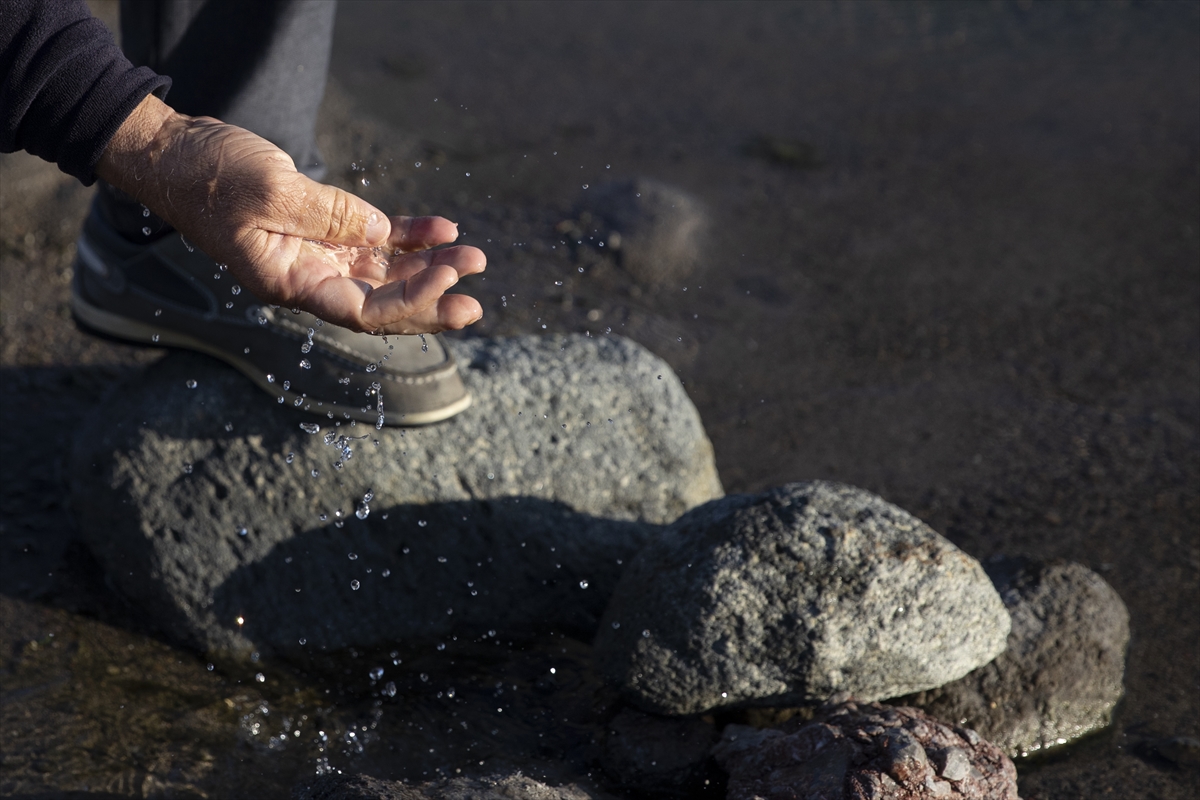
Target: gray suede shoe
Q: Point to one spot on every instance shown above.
(168, 293)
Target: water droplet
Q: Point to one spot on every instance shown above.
(211, 667)
(154, 338)
(235, 290)
(229, 304)
(421, 523)
(242, 530)
(362, 511)
(558, 283)
(441, 559)
(323, 517)
(222, 267)
(315, 473)
(287, 385)
(310, 427)
(304, 641)
(366, 182)
(468, 174)
(389, 689)
(616, 625)
(585, 186)
(491, 476)
(386, 572)
(646, 634)
(158, 312)
(441, 646)
(290, 458)
(145, 211)
(352, 556)
(583, 584)
(145, 230)
(354, 584)
(491, 633)
(376, 673)
(337, 465)
(424, 344)
(307, 346)
(424, 678)
(187, 468)
(270, 378)
(191, 383)
(306, 364)
(372, 367)
(258, 676)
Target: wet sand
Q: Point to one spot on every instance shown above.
(976, 293)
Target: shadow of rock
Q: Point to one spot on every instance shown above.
(511, 566)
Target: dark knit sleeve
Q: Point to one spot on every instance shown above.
(65, 85)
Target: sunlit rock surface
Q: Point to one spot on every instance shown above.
(858, 751)
(1060, 677)
(791, 596)
(202, 506)
(499, 787)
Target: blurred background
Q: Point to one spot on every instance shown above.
(949, 253)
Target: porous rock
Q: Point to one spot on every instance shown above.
(1060, 677)
(792, 595)
(659, 228)
(864, 751)
(515, 515)
(514, 786)
(655, 754)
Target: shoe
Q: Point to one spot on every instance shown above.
(168, 293)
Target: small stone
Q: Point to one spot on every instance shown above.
(659, 229)
(852, 751)
(1061, 674)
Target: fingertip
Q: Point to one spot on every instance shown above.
(379, 228)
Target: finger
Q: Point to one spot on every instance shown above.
(450, 313)
(464, 260)
(421, 233)
(328, 214)
(399, 300)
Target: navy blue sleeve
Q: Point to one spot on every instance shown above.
(65, 85)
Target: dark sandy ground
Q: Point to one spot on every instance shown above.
(976, 292)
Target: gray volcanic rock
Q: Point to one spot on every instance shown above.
(497, 787)
(793, 595)
(860, 751)
(1061, 675)
(203, 508)
(659, 228)
(660, 755)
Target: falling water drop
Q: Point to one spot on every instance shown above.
(310, 427)
(145, 230)
(354, 584)
(290, 458)
(583, 584)
(305, 364)
(191, 383)
(235, 290)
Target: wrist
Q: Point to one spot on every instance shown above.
(132, 160)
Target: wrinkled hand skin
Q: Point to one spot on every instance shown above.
(288, 239)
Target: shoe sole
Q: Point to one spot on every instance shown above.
(124, 329)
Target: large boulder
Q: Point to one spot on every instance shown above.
(1060, 677)
(791, 596)
(215, 512)
(856, 751)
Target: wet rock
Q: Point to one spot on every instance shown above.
(659, 229)
(1183, 751)
(660, 755)
(514, 516)
(1061, 675)
(792, 595)
(859, 751)
(496, 787)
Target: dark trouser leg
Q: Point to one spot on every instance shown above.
(258, 64)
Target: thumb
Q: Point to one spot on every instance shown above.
(338, 217)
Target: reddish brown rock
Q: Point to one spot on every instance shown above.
(864, 751)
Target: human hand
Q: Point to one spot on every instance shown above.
(288, 239)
